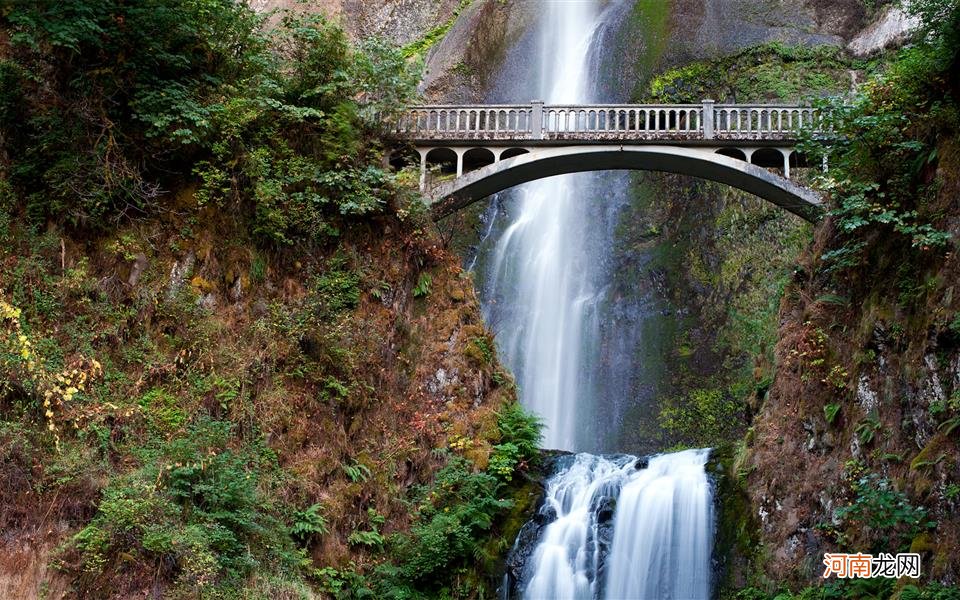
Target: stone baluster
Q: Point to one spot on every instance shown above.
(707, 119)
(536, 121)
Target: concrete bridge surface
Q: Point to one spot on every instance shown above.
(467, 153)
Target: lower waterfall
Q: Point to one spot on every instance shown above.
(624, 530)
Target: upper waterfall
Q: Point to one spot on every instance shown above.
(541, 293)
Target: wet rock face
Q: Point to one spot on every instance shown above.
(709, 28)
(892, 27)
(487, 36)
(838, 17)
(520, 555)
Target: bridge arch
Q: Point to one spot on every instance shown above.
(706, 163)
(476, 158)
(446, 159)
(511, 152)
(733, 153)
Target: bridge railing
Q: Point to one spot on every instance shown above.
(451, 122)
(752, 122)
(536, 121)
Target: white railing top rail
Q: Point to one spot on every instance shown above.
(758, 106)
(539, 121)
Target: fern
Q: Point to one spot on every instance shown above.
(357, 472)
(422, 289)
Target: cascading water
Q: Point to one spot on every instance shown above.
(657, 545)
(542, 258)
(663, 531)
(617, 531)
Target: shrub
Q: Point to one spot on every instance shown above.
(108, 104)
(195, 505)
(453, 514)
(521, 430)
(883, 146)
(892, 520)
(308, 523)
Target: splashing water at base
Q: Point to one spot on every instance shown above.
(661, 530)
(664, 531)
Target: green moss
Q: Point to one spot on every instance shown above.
(419, 47)
(736, 545)
(767, 72)
(932, 453)
(653, 18)
(704, 416)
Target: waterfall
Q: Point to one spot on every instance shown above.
(657, 545)
(566, 562)
(609, 529)
(540, 263)
(663, 531)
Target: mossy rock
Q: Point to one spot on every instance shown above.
(923, 543)
(736, 543)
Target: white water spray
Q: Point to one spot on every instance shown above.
(663, 531)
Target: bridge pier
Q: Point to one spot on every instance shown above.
(423, 169)
(786, 161)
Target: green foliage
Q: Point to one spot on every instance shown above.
(343, 583)
(954, 325)
(878, 588)
(308, 523)
(357, 472)
(705, 414)
(522, 429)
(867, 429)
(422, 289)
(766, 72)
(163, 411)
(892, 520)
(338, 287)
(520, 435)
(419, 47)
(932, 591)
(193, 503)
(480, 349)
(948, 412)
(452, 515)
(939, 28)
(883, 147)
(830, 412)
(278, 124)
(457, 511)
(369, 537)
(152, 68)
(504, 460)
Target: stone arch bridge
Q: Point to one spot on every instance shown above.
(467, 153)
